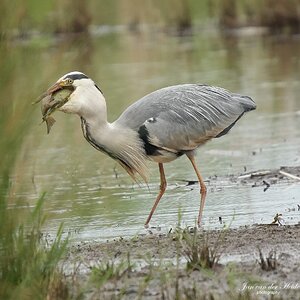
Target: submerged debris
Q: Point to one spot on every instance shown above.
(289, 175)
(260, 178)
(267, 185)
(268, 177)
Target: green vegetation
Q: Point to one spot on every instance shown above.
(118, 278)
(110, 270)
(28, 262)
(201, 255)
(279, 16)
(23, 17)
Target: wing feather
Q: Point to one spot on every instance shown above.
(185, 116)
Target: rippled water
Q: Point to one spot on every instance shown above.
(95, 198)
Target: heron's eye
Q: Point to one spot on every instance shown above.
(69, 81)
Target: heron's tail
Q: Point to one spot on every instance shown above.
(247, 103)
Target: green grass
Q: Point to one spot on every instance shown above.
(28, 261)
(109, 270)
(199, 254)
(198, 250)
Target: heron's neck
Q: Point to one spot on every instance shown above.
(93, 109)
(107, 137)
(98, 133)
(121, 144)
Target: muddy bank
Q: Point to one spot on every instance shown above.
(260, 261)
(154, 266)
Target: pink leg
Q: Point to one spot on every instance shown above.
(202, 187)
(163, 185)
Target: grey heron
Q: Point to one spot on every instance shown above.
(160, 127)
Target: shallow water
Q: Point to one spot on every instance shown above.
(93, 196)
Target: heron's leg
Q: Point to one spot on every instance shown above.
(202, 186)
(163, 185)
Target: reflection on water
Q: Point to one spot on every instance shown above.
(91, 194)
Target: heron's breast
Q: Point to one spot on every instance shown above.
(163, 156)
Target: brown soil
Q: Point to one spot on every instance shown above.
(256, 262)
(159, 267)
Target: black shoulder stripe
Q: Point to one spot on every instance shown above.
(149, 148)
(144, 136)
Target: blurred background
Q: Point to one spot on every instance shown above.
(130, 48)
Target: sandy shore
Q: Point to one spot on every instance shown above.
(155, 266)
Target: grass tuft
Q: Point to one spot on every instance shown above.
(200, 255)
(28, 264)
(197, 249)
(110, 270)
(268, 263)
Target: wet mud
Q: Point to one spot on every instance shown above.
(257, 261)
(156, 265)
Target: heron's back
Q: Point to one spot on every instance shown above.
(184, 116)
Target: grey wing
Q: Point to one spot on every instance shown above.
(180, 118)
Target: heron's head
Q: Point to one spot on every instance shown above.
(85, 95)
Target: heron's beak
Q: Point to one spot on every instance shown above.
(55, 87)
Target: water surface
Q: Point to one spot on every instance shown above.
(91, 194)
